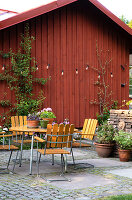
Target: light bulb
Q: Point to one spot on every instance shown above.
(48, 66)
(111, 75)
(62, 73)
(3, 67)
(99, 76)
(87, 67)
(76, 71)
(36, 67)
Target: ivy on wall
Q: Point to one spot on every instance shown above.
(19, 77)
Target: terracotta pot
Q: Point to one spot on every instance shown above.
(49, 119)
(124, 155)
(32, 123)
(104, 150)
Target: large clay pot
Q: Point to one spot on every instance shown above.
(124, 155)
(104, 150)
(32, 123)
(49, 119)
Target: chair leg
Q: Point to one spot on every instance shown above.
(80, 141)
(65, 163)
(39, 157)
(15, 162)
(62, 162)
(21, 152)
(52, 159)
(73, 157)
(9, 160)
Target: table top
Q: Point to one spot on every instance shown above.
(26, 129)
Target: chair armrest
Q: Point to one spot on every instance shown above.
(78, 132)
(88, 134)
(2, 132)
(39, 139)
(5, 136)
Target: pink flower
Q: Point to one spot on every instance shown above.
(49, 110)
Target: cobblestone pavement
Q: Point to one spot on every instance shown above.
(18, 186)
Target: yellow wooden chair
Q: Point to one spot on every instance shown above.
(20, 136)
(88, 133)
(57, 142)
(7, 147)
(19, 121)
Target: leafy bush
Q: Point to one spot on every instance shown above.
(105, 133)
(123, 139)
(27, 106)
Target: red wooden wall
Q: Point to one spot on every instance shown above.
(66, 40)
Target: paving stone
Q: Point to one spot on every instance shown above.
(102, 183)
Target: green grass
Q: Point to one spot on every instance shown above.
(120, 197)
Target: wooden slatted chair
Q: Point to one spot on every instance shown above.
(88, 133)
(19, 121)
(7, 147)
(57, 142)
(19, 136)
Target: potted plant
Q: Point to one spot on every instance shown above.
(124, 142)
(33, 120)
(47, 114)
(104, 140)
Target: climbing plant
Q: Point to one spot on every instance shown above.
(20, 78)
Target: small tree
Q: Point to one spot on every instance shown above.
(19, 77)
(104, 92)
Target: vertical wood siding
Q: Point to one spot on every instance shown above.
(66, 40)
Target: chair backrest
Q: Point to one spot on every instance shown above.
(70, 138)
(18, 121)
(58, 138)
(89, 128)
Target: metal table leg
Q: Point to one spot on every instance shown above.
(31, 156)
(21, 151)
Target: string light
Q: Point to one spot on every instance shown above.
(3, 67)
(48, 66)
(62, 73)
(99, 76)
(87, 67)
(36, 67)
(76, 71)
(111, 75)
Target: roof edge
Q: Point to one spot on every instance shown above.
(111, 16)
(34, 13)
(54, 5)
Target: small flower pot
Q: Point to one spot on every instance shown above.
(124, 155)
(32, 123)
(43, 123)
(49, 119)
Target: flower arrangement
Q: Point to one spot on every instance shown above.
(33, 116)
(46, 113)
(66, 121)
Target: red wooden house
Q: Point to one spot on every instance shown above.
(66, 32)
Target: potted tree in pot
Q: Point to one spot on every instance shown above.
(104, 141)
(124, 142)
